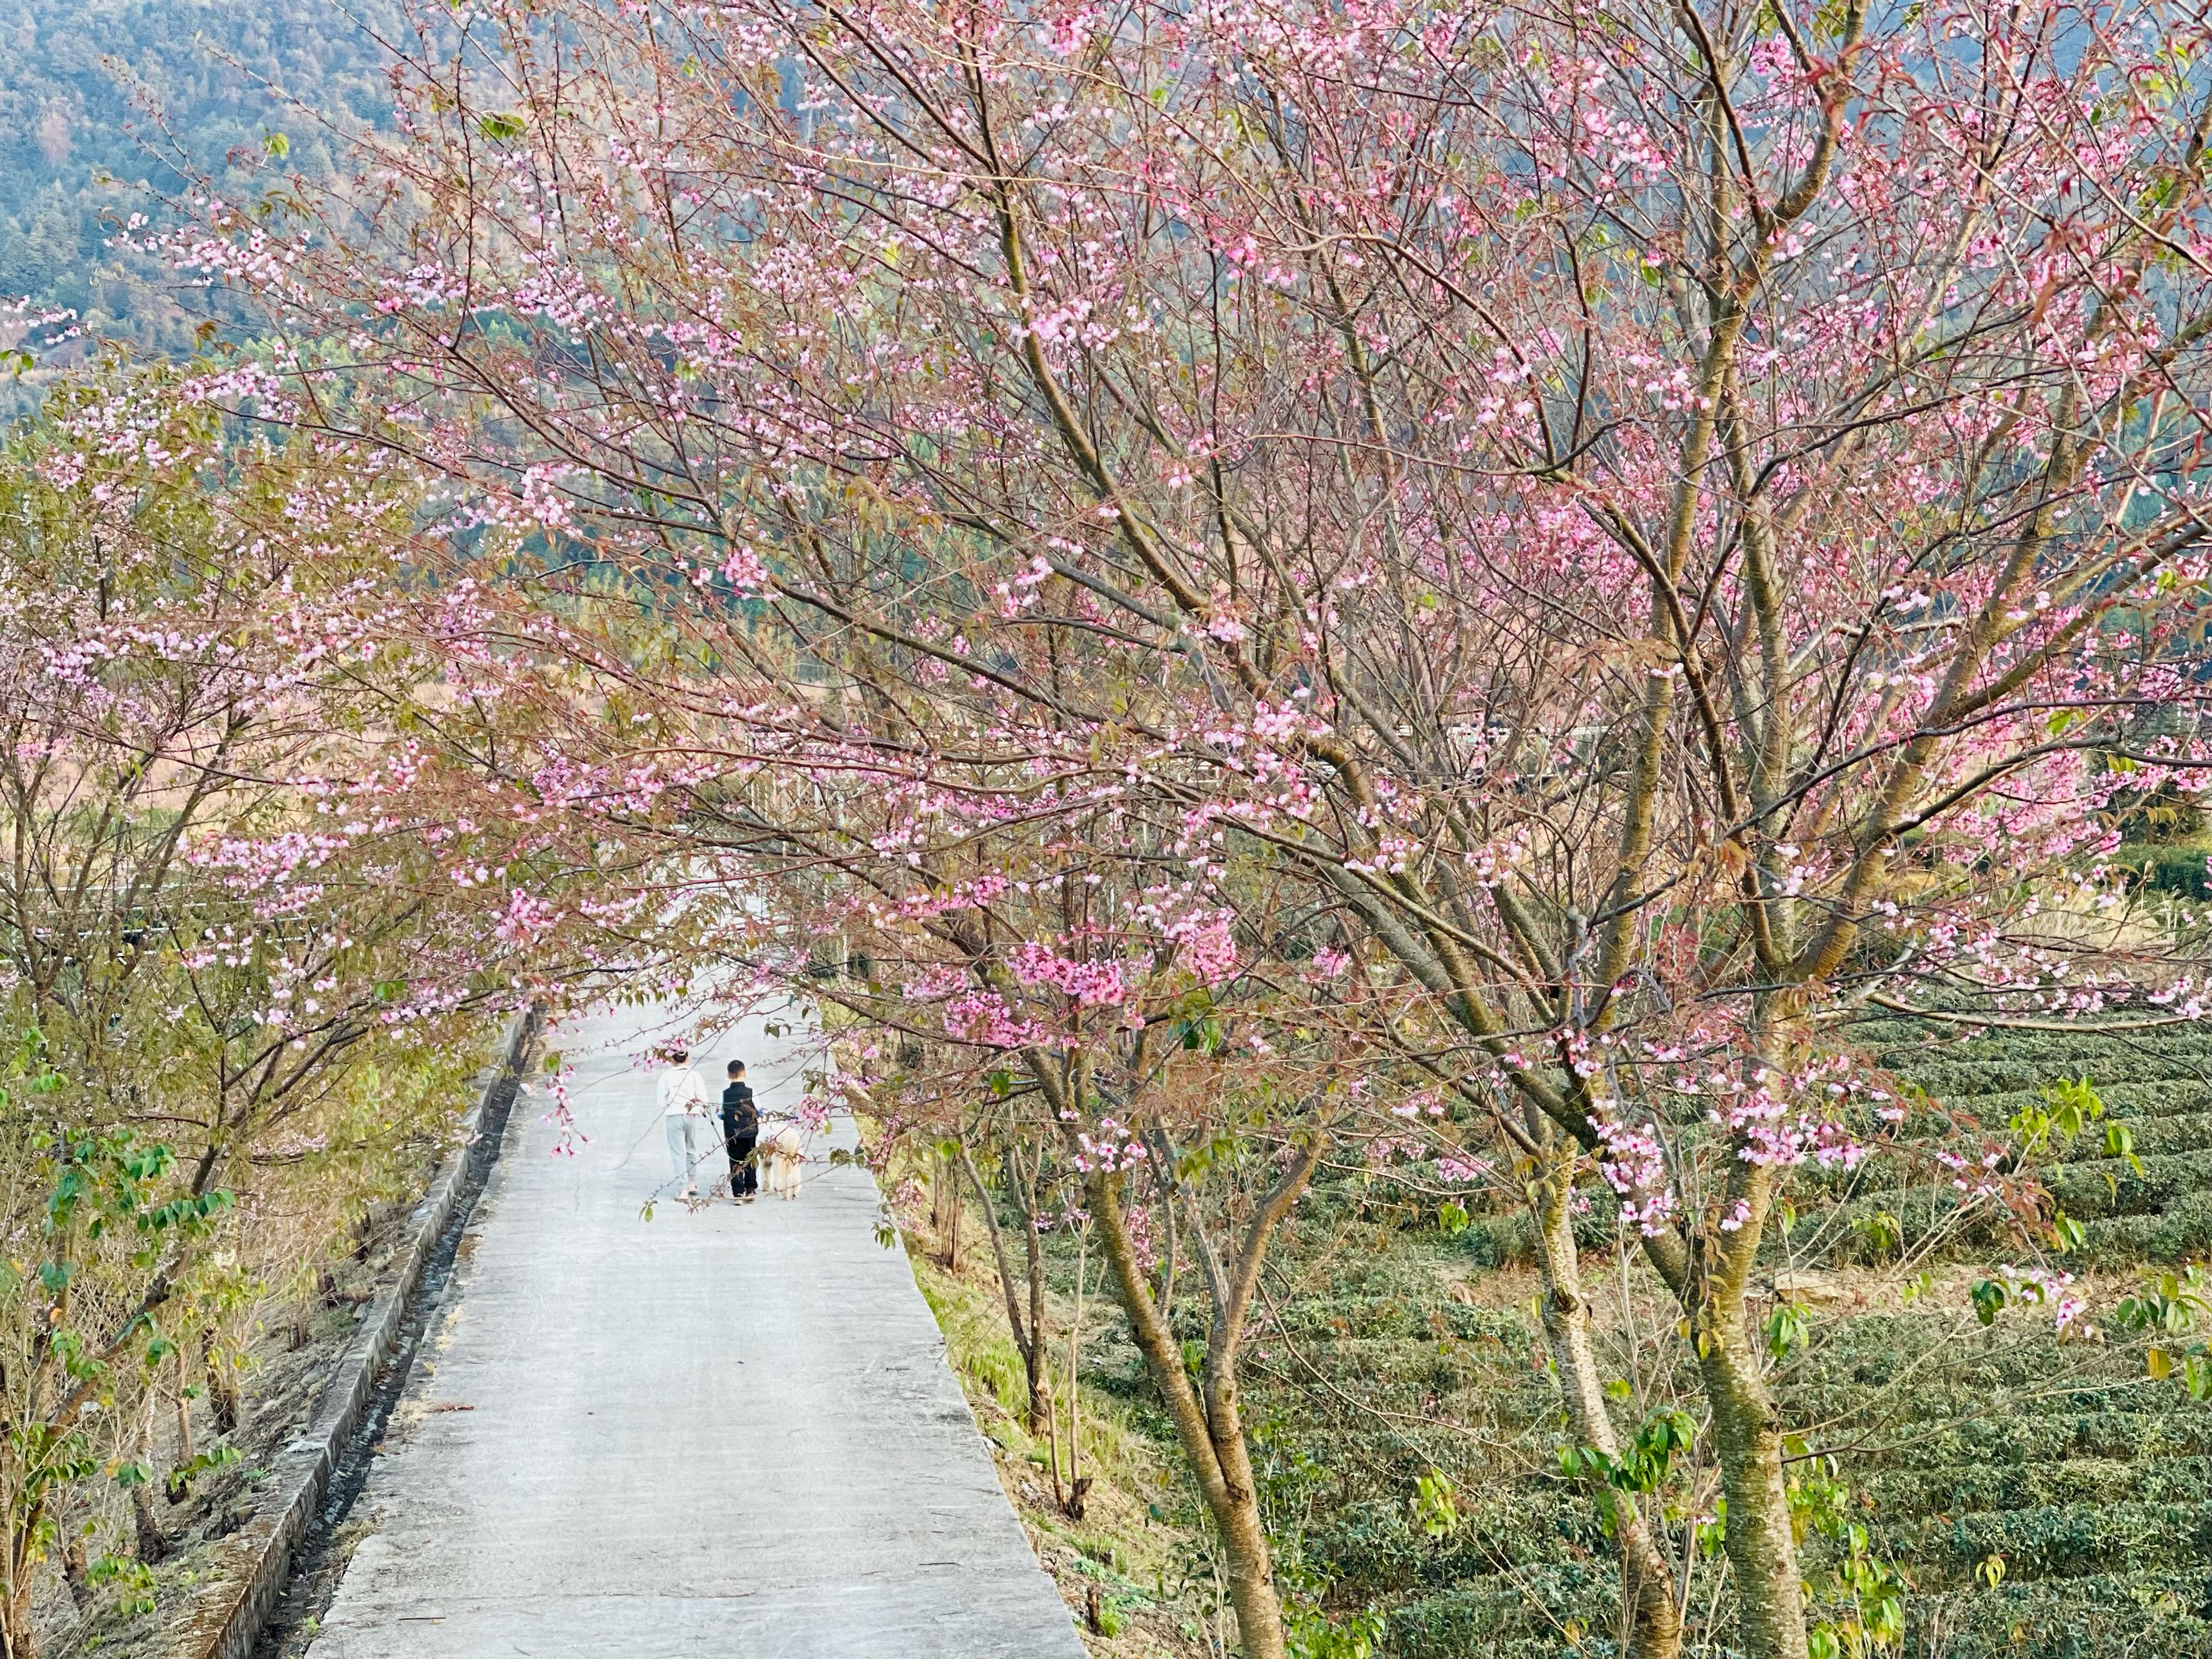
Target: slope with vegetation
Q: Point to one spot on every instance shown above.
(1965, 1489)
(108, 106)
(133, 1555)
(240, 994)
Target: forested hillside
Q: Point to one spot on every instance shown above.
(104, 101)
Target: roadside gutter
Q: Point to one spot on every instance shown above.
(252, 1566)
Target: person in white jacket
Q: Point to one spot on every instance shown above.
(683, 1108)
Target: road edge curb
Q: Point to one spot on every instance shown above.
(252, 1566)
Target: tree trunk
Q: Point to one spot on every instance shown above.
(1762, 1547)
(1078, 1482)
(153, 1543)
(1052, 1450)
(1026, 1332)
(1251, 1566)
(17, 1630)
(1649, 1616)
(945, 1211)
(1211, 1432)
(1747, 1433)
(76, 1570)
(222, 1385)
(1036, 1358)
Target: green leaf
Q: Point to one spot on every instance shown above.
(2074, 1105)
(135, 1577)
(1436, 1505)
(1882, 1231)
(2120, 1143)
(181, 1476)
(500, 128)
(1203, 1036)
(2196, 1377)
(1988, 1300)
(1787, 1330)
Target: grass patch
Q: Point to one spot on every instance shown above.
(1135, 1570)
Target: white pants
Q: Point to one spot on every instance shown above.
(683, 1154)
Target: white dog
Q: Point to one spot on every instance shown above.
(782, 1148)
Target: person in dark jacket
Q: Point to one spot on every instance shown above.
(740, 1133)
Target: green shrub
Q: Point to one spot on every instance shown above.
(2177, 870)
(2157, 1613)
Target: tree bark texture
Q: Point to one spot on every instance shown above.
(16, 1629)
(1761, 1549)
(153, 1544)
(1650, 1619)
(1209, 1427)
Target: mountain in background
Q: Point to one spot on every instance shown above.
(80, 151)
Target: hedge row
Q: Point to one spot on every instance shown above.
(1963, 1080)
(1903, 1494)
(2062, 1540)
(1527, 1615)
(2152, 1615)
(2093, 1485)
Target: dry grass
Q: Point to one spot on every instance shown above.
(296, 1346)
(1133, 1556)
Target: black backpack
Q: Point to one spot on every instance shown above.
(738, 1106)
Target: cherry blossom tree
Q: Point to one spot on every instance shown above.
(1662, 520)
(239, 898)
(1075, 1004)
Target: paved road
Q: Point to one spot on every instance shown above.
(730, 1432)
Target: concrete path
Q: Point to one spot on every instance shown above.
(731, 1433)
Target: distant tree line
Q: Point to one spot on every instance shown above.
(105, 104)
